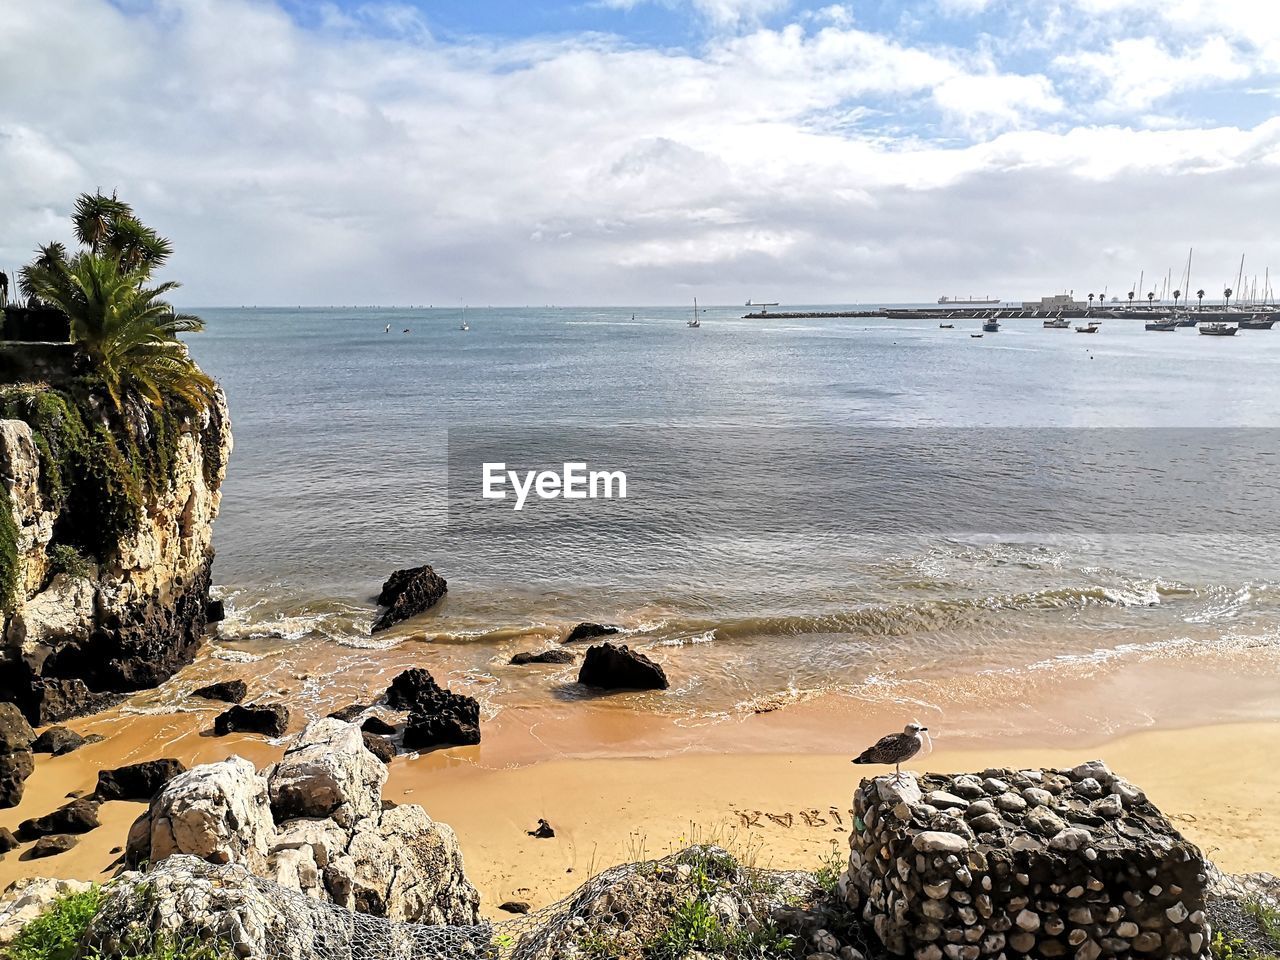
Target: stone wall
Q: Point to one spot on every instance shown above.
(1036, 863)
(72, 642)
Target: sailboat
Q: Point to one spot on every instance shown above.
(465, 326)
(696, 321)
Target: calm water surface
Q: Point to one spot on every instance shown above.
(338, 476)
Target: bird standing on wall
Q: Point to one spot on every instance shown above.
(895, 748)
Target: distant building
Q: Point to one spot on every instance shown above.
(1059, 301)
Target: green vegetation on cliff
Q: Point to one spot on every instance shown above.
(100, 468)
(106, 442)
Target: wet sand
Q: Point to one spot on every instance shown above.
(617, 785)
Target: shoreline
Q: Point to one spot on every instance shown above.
(641, 794)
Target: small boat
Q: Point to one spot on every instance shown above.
(1162, 325)
(1218, 329)
(1188, 321)
(696, 321)
(1256, 323)
(1091, 327)
(976, 336)
(388, 330)
(465, 327)
(946, 326)
(991, 326)
(1058, 323)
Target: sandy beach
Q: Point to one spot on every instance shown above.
(785, 808)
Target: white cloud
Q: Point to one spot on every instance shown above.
(721, 13)
(1137, 73)
(817, 161)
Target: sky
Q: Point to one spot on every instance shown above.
(647, 151)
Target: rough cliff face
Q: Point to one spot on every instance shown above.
(106, 526)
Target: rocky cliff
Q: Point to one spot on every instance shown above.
(106, 525)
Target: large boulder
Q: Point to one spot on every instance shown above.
(270, 719)
(408, 593)
(186, 899)
(220, 812)
(612, 667)
(28, 898)
(16, 762)
(327, 772)
(404, 866)
(137, 781)
(437, 717)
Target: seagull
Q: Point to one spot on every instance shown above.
(895, 748)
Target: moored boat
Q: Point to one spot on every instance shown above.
(1091, 327)
(991, 326)
(1057, 323)
(1218, 329)
(1256, 323)
(1162, 325)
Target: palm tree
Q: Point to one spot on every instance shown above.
(1176, 295)
(127, 328)
(129, 332)
(1226, 296)
(1151, 299)
(1131, 299)
(1091, 301)
(1200, 299)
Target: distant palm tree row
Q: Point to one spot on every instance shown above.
(1226, 295)
(127, 328)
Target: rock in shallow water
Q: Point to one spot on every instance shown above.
(137, 781)
(228, 691)
(271, 719)
(554, 655)
(612, 667)
(586, 631)
(408, 593)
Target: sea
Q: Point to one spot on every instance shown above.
(872, 509)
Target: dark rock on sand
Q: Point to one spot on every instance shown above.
(437, 717)
(543, 831)
(51, 846)
(410, 688)
(380, 747)
(7, 840)
(585, 631)
(612, 667)
(137, 781)
(16, 762)
(78, 816)
(408, 593)
(514, 906)
(215, 611)
(351, 713)
(57, 741)
(228, 691)
(377, 726)
(544, 656)
(271, 719)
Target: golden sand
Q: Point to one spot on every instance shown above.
(652, 788)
